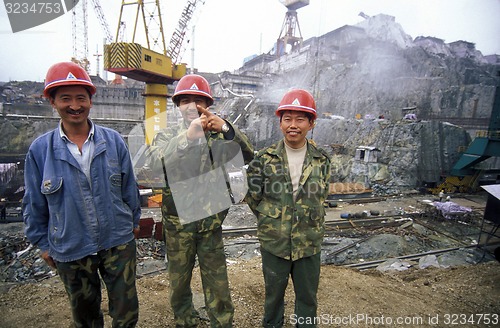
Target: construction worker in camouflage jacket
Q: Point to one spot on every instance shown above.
(288, 183)
(196, 160)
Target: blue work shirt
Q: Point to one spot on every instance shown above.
(66, 214)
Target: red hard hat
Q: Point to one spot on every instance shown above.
(298, 100)
(193, 84)
(66, 74)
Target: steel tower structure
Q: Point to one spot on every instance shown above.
(290, 31)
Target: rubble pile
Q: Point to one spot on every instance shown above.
(19, 261)
(385, 190)
(150, 248)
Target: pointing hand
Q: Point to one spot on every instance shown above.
(213, 122)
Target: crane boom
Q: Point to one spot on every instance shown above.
(176, 46)
(102, 19)
(80, 34)
(79, 22)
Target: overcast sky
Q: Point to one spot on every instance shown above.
(227, 31)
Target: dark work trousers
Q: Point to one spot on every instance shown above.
(117, 268)
(182, 249)
(305, 277)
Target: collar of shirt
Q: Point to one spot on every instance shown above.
(84, 158)
(65, 137)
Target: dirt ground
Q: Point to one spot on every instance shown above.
(465, 296)
(347, 298)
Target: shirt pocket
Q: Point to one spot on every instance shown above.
(114, 174)
(269, 221)
(313, 224)
(116, 193)
(274, 183)
(116, 180)
(269, 209)
(52, 188)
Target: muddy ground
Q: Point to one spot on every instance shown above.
(462, 295)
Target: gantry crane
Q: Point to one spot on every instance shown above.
(290, 31)
(140, 63)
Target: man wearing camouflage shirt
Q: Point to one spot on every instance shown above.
(194, 159)
(288, 183)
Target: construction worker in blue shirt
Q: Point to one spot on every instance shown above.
(81, 205)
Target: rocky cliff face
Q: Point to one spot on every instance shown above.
(375, 70)
(410, 154)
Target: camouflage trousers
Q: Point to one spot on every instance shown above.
(82, 280)
(182, 249)
(305, 276)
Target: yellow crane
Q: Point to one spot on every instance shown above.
(140, 63)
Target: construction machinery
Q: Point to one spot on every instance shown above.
(102, 20)
(153, 64)
(144, 64)
(465, 175)
(79, 24)
(177, 45)
(79, 29)
(290, 31)
(140, 63)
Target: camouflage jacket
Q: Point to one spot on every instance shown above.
(198, 171)
(286, 228)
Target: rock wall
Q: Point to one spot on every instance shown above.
(412, 153)
(374, 68)
(18, 134)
